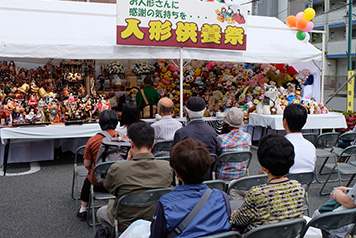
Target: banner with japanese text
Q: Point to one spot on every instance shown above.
(181, 23)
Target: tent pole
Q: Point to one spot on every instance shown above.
(323, 68)
(181, 83)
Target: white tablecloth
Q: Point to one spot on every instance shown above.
(37, 143)
(314, 121)
(274, 123)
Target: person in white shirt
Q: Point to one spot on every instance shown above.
(167, 126)
(294, 118)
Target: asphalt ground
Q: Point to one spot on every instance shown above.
(40, 204)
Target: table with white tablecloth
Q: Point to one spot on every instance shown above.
(37, 143)
(260, 123)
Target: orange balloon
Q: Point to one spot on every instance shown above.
(301, 23)
(291, 21)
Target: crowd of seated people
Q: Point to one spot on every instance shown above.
(278, 200)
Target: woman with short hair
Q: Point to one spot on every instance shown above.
(279, 199)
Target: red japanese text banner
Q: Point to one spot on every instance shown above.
(181, 23)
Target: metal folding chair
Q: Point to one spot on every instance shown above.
(310, 137)
(325, 145)
(101, 168)
(162, 148)
(228, 234)
(305, 179)
(78, 171)
(345, 137)
(343, 168)
(143, 199)
(163, 158)
(332, 220)
(215, 158)
(235, 157)
(289, 228)
(244, 184)
(217, 184)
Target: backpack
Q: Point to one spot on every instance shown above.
(110, 150)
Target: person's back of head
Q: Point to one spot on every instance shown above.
(195, 107)
(233, 118)
(296, 117)
(165, 106)
(130, 114)
(108, 120)
(141, 134)
(148, 80)
(276, 154)
(191, 160)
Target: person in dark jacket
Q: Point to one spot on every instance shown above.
(197, 129)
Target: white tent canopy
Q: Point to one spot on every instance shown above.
(37, 30)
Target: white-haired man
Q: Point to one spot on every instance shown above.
(197, 129)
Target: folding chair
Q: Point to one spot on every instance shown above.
(162, 148)
(101, 168)
(310, 137)
(244, 184)
(332, 220)
(163, 158)
(235, 157)
(143, 199)
(217, 184)
(305, 179)
(78, 171)
(345, 137)
(289, 228)
(325, 145)
(215, 158)
(343, 168)
(228, 234)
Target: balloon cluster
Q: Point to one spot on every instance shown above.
(302, 22)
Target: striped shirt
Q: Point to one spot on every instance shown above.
(268, 203)
(166, 128)
(235, 140)
(164, 131)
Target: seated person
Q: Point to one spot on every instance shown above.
(130, 114)
(166, 127)
(346, 197)
(294, 118)
(108, 121)
(139, 173)
(343, 144)
(278, 200)
(190, 160)
(234, 140)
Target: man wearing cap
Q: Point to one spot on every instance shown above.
(197, 129)
(166, 127)
(234, 140)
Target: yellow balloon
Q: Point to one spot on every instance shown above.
(309, 14)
